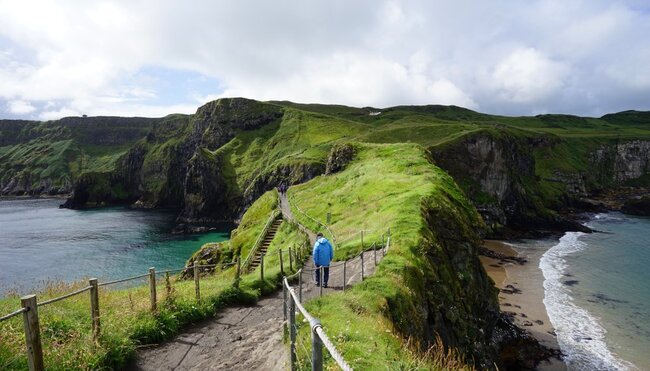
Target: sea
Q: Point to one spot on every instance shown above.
(41, 244)
(597, 292)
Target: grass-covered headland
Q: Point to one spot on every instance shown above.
(430, 285)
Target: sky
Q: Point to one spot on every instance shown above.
(152, 58)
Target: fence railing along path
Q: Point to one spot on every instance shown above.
(30, 305)
(341, 276)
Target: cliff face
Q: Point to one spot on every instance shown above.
(514, 182)
(172, 165)
(623, 162)
(178, 165)
(47, 157)
(497, 171)
(431, 284)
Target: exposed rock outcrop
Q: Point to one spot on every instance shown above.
(339, 157)
(500, 173)
(623, 162)
(174, 165)
(639, 206)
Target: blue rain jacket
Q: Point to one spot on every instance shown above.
(323, 252)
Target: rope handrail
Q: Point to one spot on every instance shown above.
(259, 239)
(54, 300)
(123, 280)
(331, 349)
(214, 265)
(13, 314)
(171, 270)
(295, 274)
(317, 328)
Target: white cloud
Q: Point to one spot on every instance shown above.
(57, 114)
(21, 107)
(498, 56)
(527, 76)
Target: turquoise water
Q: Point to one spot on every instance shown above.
(40, 242)
(597, 293)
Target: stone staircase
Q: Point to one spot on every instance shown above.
(270, 234)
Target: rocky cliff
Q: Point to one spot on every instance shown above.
(181, 163)
(622, 162)
(523, 181)
(47, 157)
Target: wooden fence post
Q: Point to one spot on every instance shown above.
(168, 286)
(362, 273)
(152, 288)
(300, 285)
(316, 348)
(345, 272)
(262, 267)
(238, 272)
(32, 333)
(290, 260)
(197, 285)
(94, 308)
(284, 301)
(292, 333)
(374, 250)
(281, 262)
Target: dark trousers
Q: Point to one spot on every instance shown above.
(326, 274)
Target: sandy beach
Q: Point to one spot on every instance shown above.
(522, 294)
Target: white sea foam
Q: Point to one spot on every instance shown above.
(581, 337)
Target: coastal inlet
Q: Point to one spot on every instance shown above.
(42, 244)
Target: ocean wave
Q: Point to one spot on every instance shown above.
(581, 337)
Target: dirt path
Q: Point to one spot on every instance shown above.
(247, 338)
(240, 338)
(288, 214)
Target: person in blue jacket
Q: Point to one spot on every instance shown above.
(323, 255)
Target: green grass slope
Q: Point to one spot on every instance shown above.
(430, 283)
(295, 147)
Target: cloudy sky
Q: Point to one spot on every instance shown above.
(151, 58)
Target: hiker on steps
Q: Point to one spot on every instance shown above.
(323, 255)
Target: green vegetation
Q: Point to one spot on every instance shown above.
(300, 141)
(252, 224)
(396, 186)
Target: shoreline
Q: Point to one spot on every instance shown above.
(521, 294)
(39, 197)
